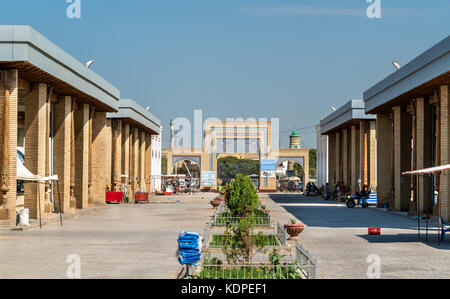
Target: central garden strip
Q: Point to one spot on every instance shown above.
(226, 218)
(264, 271)
(232, 240)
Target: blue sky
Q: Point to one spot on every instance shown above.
(290, 59)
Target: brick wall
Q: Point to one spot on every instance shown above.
(99, 141)
(35, 147)
(62, 145)
(82, 155)
(402, 158)
(445, 151)
(345, 156)
(384, 170)
(8, 209)
(355, 159)
(116, 153)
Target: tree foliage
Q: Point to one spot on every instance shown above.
(313, 163)
(242, 198)
(229, 167)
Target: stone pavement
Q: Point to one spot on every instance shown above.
(119, 241)
(337, 237)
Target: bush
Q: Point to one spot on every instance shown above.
(242, 198)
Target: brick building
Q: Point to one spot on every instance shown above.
(351, 146)
(55, 108)
(412, 109)
(132, 130)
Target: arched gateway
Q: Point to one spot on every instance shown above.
(247, 138)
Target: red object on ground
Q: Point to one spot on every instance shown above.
(141, 196)
(114, 196)
(374, 231)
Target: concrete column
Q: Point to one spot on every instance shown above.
(345, 158)
(383, 165)
(142, 180)
(423, 151)
(35, 146)
(82, 156)
(116, 154)
(337, 159)
(148, 162)
(355, 160)
(134, 161)
(402, 158)
(9, 97)
(126, 137)
(445, 151)
(332, 158)
(62, 148)
(99, 143)
(363, 154)
(372, 155)
(108, 153)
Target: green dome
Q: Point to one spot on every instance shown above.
(295, 133)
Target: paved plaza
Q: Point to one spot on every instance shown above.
(337, 237)
(119, 241)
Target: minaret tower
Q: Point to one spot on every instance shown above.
(294, 143)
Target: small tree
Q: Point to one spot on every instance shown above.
(242, 198)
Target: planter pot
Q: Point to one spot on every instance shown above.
(294, 230)
(215, 203)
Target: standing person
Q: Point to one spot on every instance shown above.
(124, 190)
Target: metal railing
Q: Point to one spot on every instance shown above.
(254, 271)
(222, 218)
(281, 234)
(219, 238)
(307, 263)
(206, 235)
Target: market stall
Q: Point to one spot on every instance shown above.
(23, 174)
(441, 171)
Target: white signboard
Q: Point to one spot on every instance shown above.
(208, 178)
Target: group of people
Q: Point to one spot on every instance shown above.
(339, 190)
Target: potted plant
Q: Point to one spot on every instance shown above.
(294, 229)
(215, 202)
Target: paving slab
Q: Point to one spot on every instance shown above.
(338, 238)
(119, 241)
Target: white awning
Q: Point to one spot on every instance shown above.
(437, 169)
(23, 174)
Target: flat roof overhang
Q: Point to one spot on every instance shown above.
(40, 61)
(347, 115)
(418, 78)
(132, 113)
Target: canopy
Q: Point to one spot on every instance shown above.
(292, 178)
(437, 169)
(432, 170)
(23, 174)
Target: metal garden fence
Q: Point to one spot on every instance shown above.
(281, 234)
(253, 271)
(306, 261)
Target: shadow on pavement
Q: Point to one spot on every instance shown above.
(408, 238)
(316, 212)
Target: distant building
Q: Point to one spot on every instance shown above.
(322, 158)
(352, 146)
